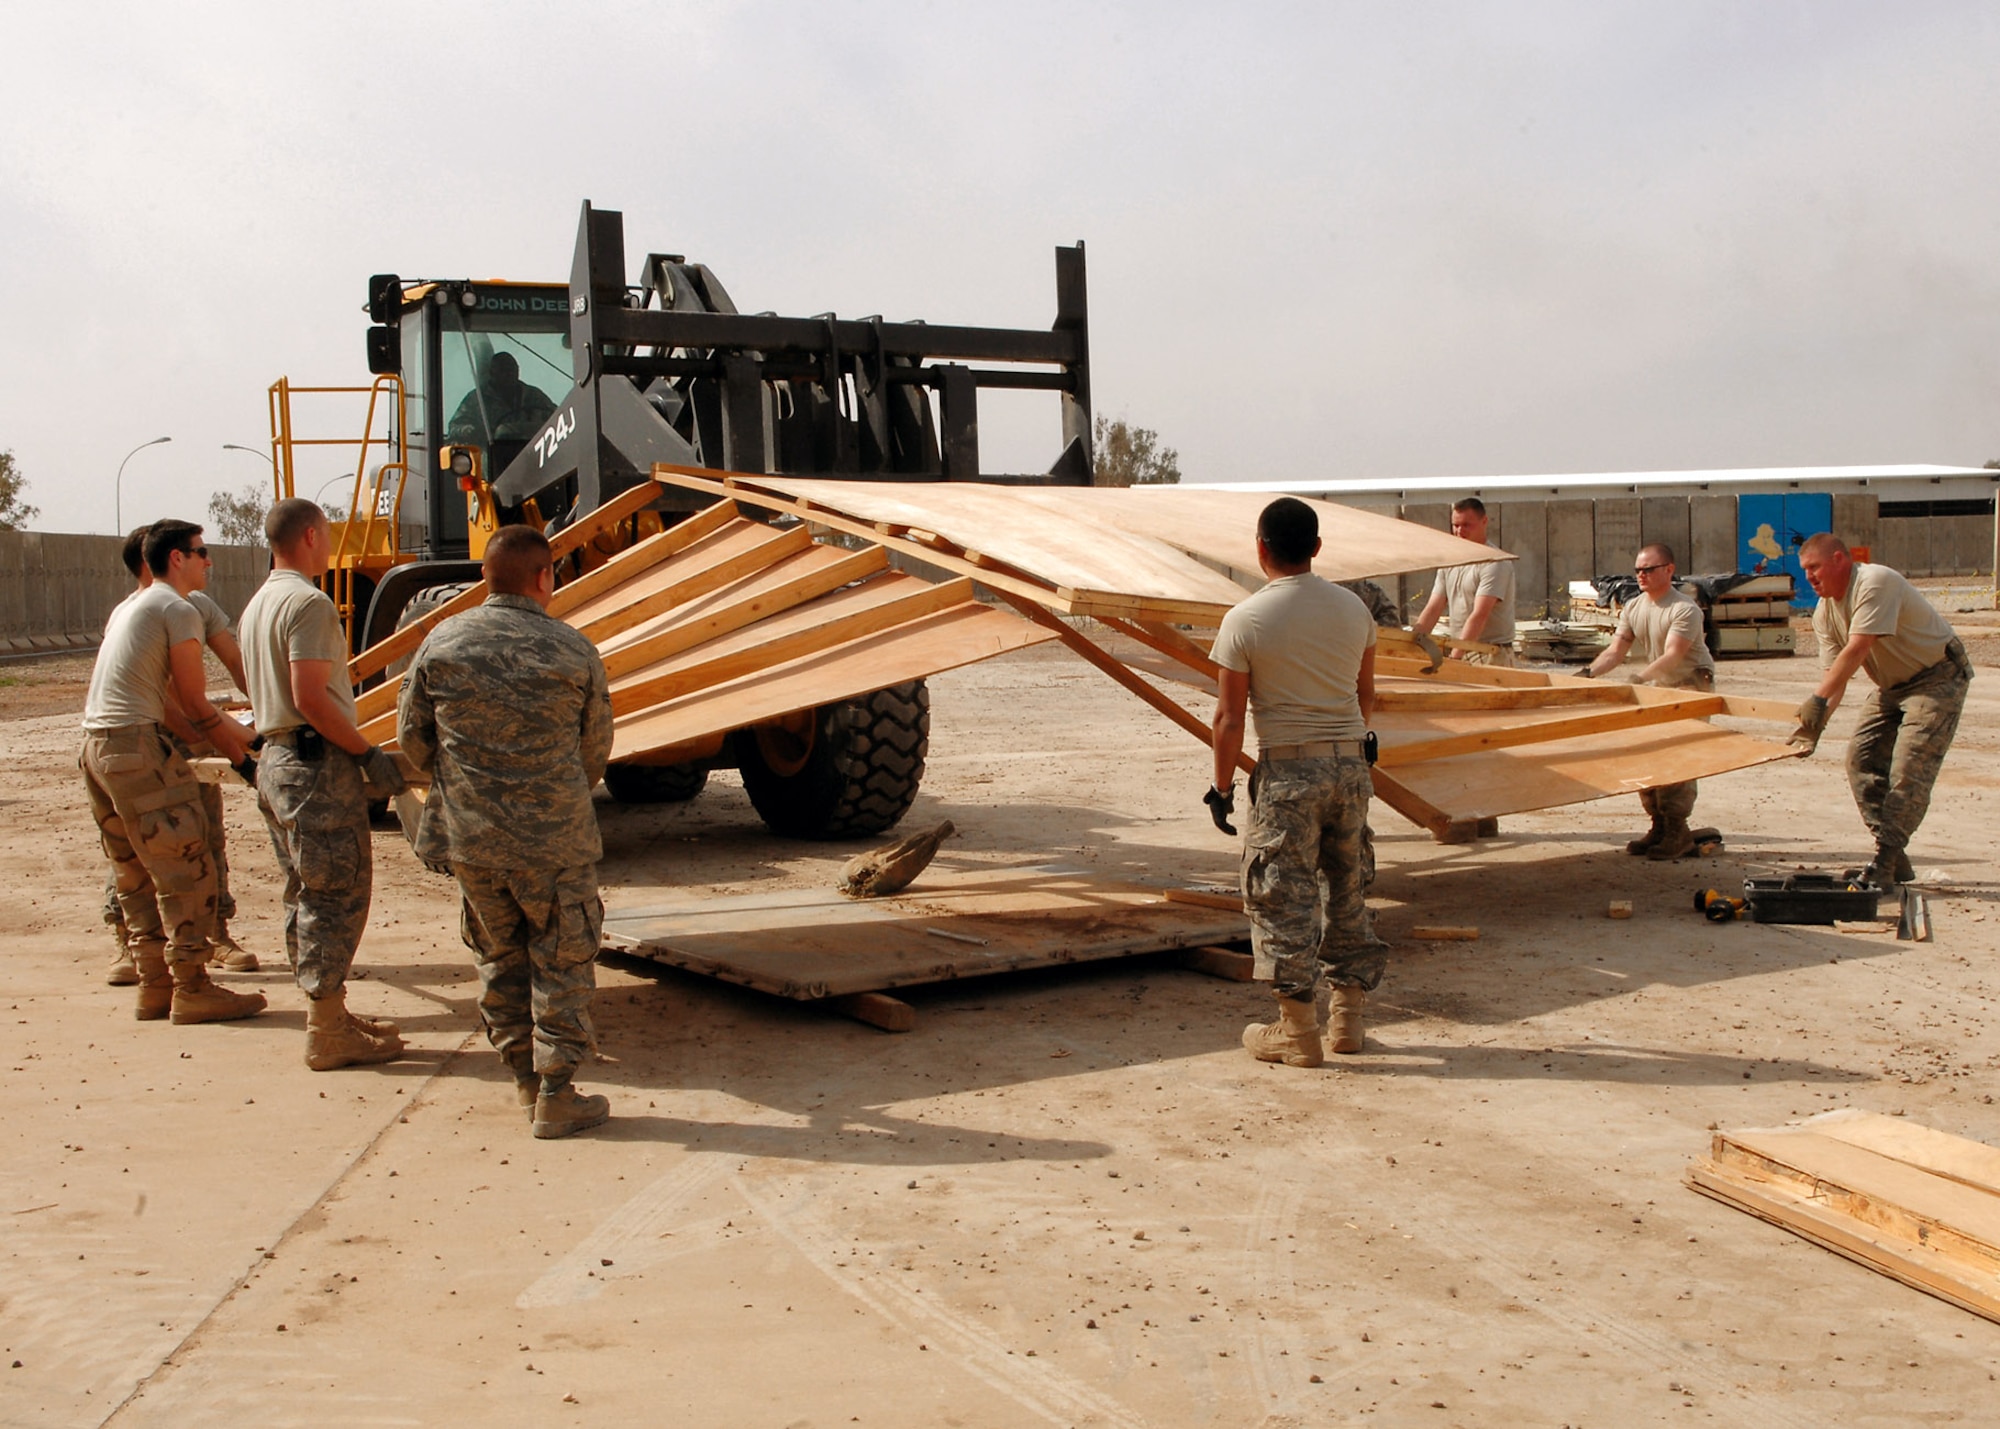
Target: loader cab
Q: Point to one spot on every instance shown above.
(483, 364)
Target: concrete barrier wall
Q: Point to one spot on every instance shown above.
(56, 590)
(1558, 541)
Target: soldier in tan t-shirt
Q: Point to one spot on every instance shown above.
(1870, 618)
(1475, 601)
(1667, 627)
(1300, 655)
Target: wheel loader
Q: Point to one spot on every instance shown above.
(497, 403)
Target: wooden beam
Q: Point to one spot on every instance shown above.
(649, 552)
(877, 1009)
(1183, 650)
(1497, 697)
(405, 641)
(926, 599)
(1404, 801)
(1225, 963)
(700, 581)
(1117, 671)
(1397, 755)
(1459, 672)
(836, 569)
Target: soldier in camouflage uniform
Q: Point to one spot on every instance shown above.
(224, 952)
(315, 778)
(1870, 618)
(509, 710)
(148, 679)
(1299, 656)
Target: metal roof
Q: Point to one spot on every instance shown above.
(1890, 482)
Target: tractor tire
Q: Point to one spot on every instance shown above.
(655, 783)
(858, 775)
(421, 604)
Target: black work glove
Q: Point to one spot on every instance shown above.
(246, 769)
(1812, 724)
(1588, 672)
(380, 774)
(1220, 806)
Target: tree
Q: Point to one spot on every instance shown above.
(14, 512)
(238, 520)
(1124, 455)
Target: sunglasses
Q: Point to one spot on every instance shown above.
(201, 551)
(1647, 570)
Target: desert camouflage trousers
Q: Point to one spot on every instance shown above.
(1898, 747)
(1306, 860)
(533, 934)
(318, 818)
(149, 816)
(218, 854)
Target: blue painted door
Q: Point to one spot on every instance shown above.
(1771, 528)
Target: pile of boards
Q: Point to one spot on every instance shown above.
(1917, 1204)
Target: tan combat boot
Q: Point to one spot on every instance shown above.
(1343, 1033)
(197, 999)
(123, 972)
(1647, 841)
(226, 953)
(568, 1111)
(156, 984)
(1293, 1039)
(1676, 840)
(335, 1038)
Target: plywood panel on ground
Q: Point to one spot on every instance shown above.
(815, 943)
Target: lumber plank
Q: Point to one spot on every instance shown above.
(1458, 672)
(1396, 755)
(634, 559)
(1396, 698)
(1202, 898)
(1181, 649)
(1948, 1216)
(700, 579)
(1905, 1262)
(919, 600)
(1445, 933)
(877, 1009)
(1117, 671)
(1958, 1158)
(824, 571)
(954, 637)
(1406, 801)
(1225, 963)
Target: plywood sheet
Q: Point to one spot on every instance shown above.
(1145, 544)
(810, 943)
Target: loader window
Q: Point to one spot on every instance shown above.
(500, 383)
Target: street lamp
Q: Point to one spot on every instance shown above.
(118, 486)
(261, 456)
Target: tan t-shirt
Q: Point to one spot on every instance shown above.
(1879, 602)
(1300, 639)
(1462, 585)
(214, 619)
(128, 684)
(1651, 623)
(290, 619)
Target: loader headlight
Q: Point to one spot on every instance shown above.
(461, 462)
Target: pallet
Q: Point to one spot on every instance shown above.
(1919, 1205)
(814, 945)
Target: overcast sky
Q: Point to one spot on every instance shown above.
(1324, 239)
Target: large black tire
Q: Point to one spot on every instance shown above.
(655, 783)
(421, 604)
(858, 777)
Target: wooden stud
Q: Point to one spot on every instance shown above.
(649, 552)
(698, 582)
(1397, 755)
(1225, 963)
(1183, 650)
(877, 1009)
(1445, 933)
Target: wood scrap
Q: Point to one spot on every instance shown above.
(1445, 933)
(1916, 1204)
(889, 869)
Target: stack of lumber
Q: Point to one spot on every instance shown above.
(1920, 1205)
(1560, 641)
(1587, 607)
(1753, 619)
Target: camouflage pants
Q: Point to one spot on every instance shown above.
(318, 818)
(533, 934)
(149, 816)
(1894, 756)
(1676, 801)
(1305, 856)
(225, 901)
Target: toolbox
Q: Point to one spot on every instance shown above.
(1810, 898)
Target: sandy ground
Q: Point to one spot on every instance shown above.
(1066, 1198)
